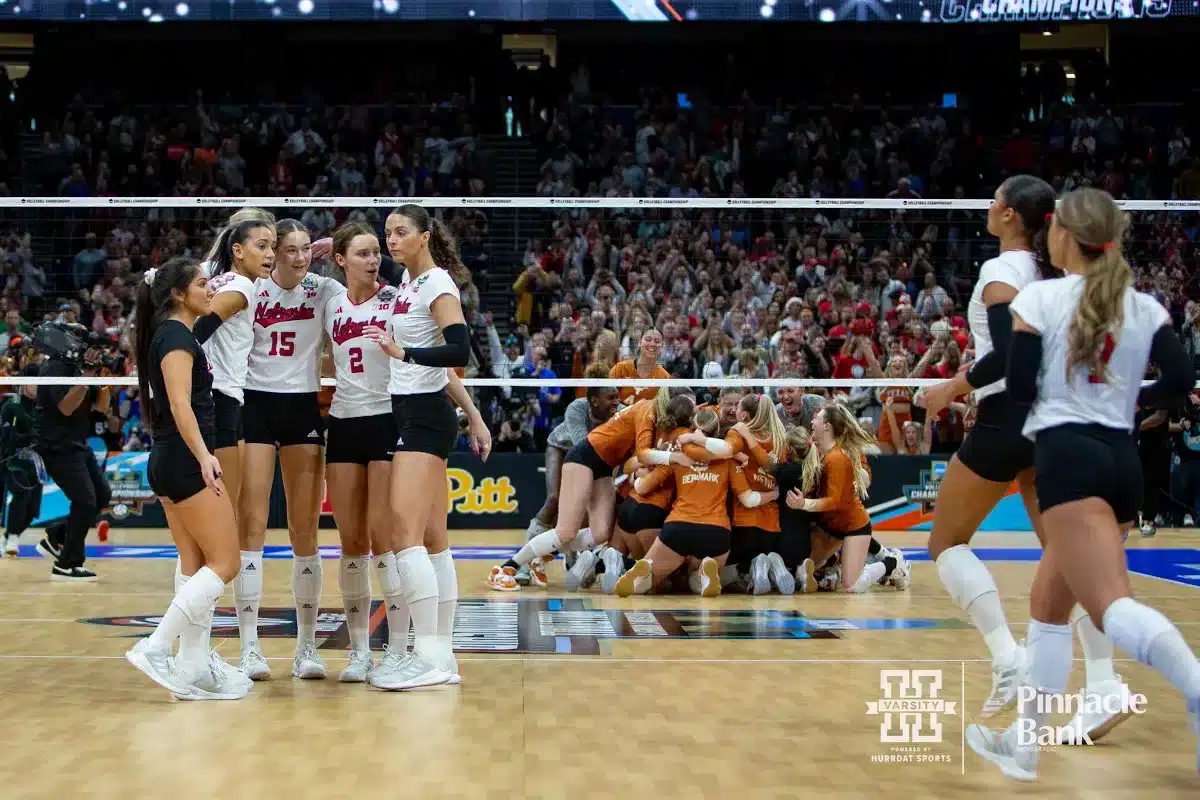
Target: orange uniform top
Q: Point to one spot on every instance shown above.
(615, 440)
(757, 452)
(663, 494)
(701, 491)
(839, 505)
(626, 370)
(756, 478)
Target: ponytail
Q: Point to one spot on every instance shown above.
(707, 422)
(801, 450)
(670, 411)
(250, 214)
(765, 420)
(1098, 225)
(855, 441)
(442, 247)
(1032, 199)
(220, 257)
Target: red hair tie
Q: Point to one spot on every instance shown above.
(1050, 216)
(1108, 245)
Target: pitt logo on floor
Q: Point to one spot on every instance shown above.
(911, 706)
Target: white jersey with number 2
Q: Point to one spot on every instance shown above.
(288, 324)
(228, 349)
(412, 325)
(1048, 307)
(362, 367)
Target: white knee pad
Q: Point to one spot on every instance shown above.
(354, 577)
(964, 575)
(418, 581)
(447, 576)
(386, 575)
(199, 596)
(247, 586)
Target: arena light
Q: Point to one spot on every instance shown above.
(766, 12)
(181, 10)
(305, 6)
(827, 15)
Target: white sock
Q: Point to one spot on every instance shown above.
(1049, 647)
(180, 578)
(247, 595)
(420, 586)
(1148, 636)
(354, 580)
(447, 585)
(582, 541)
(392, 589)
(867, 578)
(188, 637)
(544, 544)
(970, 584)
(1097, 649)
(307, 578)
(193, 604)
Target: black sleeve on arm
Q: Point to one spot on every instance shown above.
(206, 326)
(1177, 373)
(456, 352)
(1024, 362)
(990, 368)
(389, 270)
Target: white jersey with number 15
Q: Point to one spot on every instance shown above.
(287, 334)
(1049, 307)
(362, 367)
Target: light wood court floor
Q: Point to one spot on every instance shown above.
(738, 697)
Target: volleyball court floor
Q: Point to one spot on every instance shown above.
(564, 695)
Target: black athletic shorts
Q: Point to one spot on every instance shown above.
(425, 423)
(1075, 462)
(229, 420)
(172, 471)
(633, 516)
(360, 440)
(995, 450)
(748, 542)
(865, 530)
(697, 541)
(282, 419)
(584, 453)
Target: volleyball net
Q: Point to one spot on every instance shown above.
(760, 275)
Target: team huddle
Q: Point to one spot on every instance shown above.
(230, 357)
(704, 498)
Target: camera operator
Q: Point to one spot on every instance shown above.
(22, 473)
(61, 426)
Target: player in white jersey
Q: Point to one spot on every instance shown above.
(993, 454)
(361, 436)
(281, 413)
(1080, 346)
(426, 338)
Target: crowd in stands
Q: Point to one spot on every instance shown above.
(840, 293)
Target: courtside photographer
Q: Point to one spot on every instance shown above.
(61, 426)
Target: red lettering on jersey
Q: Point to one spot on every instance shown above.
(402, 307)
(266, 316)
(345, 330)
(1106, 353)
(382, 306)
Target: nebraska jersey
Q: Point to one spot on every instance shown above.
(228, 348)
(1049, 307)
(1018, 269)
(412, 325)
(287, 334)
(362, 368)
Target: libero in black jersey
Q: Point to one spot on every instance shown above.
(176, 387)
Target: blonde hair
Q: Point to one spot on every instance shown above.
(763, 419)
(596, 371)
(856, 442)
(707, 421)
(803, 452)
(607, 348)
(1097, 224)
(665, 416)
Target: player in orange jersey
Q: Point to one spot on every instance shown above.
(845, 478)
(698, 526)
